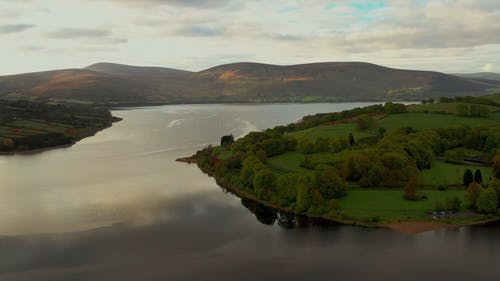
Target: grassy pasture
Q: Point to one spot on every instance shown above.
(286, 163)
(390, 205)
(493, 97)
(449, 174)
(40, 126)
(443, 107)
(329, 131)
(422, 121)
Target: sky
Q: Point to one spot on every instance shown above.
(448, 35)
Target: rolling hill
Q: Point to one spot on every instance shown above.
(480, 75)
(115, 84)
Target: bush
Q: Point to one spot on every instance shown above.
(472, 194)
(487, 201)
(452, 204)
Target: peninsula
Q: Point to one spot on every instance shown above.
(27, 126)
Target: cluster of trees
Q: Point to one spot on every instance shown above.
(453, 204)
(426, 101)
(469, 178)
(313, 193)
(484, 200)
(375, 168)
(472, 110)
(333, 145)
(469, 99)
(392, 108)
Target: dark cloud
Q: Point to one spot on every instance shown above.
(14, 28)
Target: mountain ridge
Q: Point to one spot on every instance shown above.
(119, 84)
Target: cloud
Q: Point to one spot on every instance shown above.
(71, 33)
(32, 48)
(487, 67)
(199, 31)
(178, 3)
(94, 34)
(15, 28)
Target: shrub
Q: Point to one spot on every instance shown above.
(487, 201)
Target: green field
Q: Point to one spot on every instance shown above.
(443, 107)
(390, 205)
(329, 131)
(493, 97)
(449, 174)
(288, 162)
(421, 121)
(417, 121)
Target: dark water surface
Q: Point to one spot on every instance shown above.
(117, 207)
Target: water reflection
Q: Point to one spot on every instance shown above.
(268, 216)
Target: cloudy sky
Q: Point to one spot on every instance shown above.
(447, 35)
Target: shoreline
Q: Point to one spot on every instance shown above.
(406, 227)
(190, 159)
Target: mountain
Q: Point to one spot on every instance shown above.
(480, 75)
(116, 84)
(129, 70)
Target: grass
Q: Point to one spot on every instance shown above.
(329, 131)
(40, 126)
(390, 206)
(449, 174)
(70, 101)
(493, 97)
(286, 163)
(443, 107)
(422, 121)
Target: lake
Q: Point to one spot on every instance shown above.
(117, 206)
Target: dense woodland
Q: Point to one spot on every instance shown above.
(383, 158)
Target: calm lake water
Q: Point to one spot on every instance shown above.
(117, 207)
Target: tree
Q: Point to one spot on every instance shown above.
(478, 177)
(351, 139)
(263, 183)
(445, 99)
(495, 185)
(472, 194)
(462, 109)
(487, 201)
(329, 184)
(365, 122)
(304, 197)
(273, 147)
(468, 177)
(227, 140)
(410, 190)
(395, 108)
(496, 166)
(452, 204)
(431, 100)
